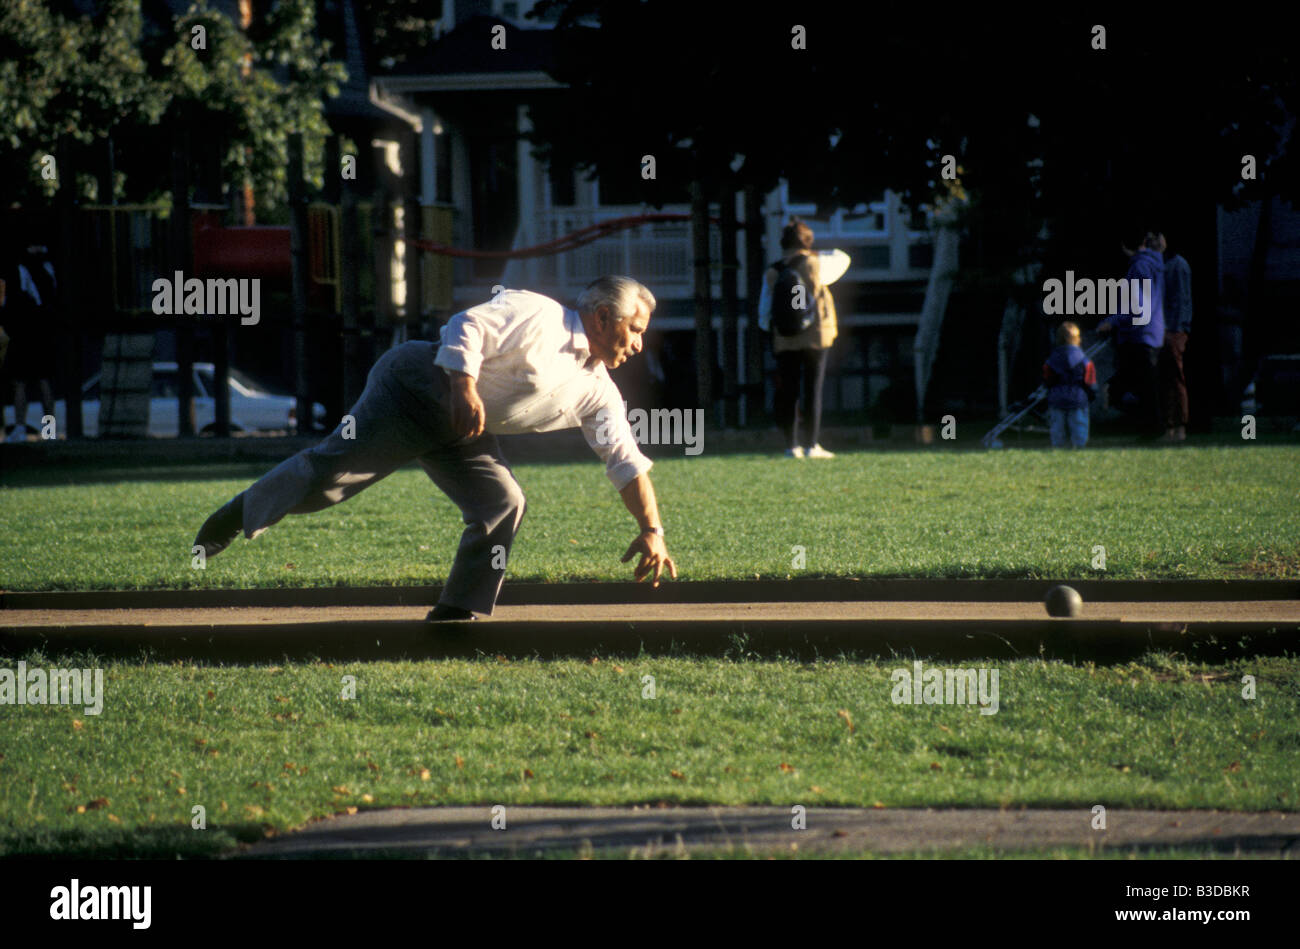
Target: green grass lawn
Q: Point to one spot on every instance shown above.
(271, 747)
(1212, 511)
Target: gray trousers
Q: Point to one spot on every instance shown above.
(403, 415)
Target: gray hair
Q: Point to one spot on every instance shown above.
(620, 294)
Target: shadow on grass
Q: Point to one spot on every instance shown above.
(140, 843)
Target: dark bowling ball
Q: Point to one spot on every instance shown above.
(1063, 601)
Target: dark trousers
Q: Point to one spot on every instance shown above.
(796, 402)
(402, 416)
(1139, 371)
(1173, 380)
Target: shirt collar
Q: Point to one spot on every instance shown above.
(581, 345)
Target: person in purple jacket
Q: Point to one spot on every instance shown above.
(1071, 381)
(1140, 334)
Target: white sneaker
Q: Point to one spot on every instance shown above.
(817, 451)
(19, 434)
(794, 452)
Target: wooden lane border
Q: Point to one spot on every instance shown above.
(899, 639)
(704, 591)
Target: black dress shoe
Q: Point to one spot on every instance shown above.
(442, 613)
(220, 530)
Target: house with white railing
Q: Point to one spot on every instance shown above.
(470, 114)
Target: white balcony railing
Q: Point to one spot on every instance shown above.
(877, 237)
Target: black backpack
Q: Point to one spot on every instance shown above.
(787, 319)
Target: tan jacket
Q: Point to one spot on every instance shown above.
(822, 333)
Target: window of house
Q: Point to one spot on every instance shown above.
(620, 188)
(563, 191)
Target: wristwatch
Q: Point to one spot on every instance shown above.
(653, 530)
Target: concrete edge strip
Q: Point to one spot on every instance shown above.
(390, 639)
(702, 591)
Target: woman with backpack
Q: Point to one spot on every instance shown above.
(796, 306)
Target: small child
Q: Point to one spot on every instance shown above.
(1071, 385)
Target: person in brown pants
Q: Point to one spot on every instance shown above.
(1178, 325)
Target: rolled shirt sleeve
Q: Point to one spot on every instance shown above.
(610, 436)
(472, 336)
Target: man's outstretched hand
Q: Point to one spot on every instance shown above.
(468, 417)
(654, 556)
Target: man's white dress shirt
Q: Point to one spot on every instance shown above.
(535, 373)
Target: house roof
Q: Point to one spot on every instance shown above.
(353, 100)
(464, 58)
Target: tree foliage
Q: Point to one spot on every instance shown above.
(1047, 128)
(77, 80)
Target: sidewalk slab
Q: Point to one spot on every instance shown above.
(461, 831)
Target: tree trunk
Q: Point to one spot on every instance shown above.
(703, 293)
(182, 260)
(69, 293)
(1254, 342)
(755, 387)
(299, 276)
(730, 306)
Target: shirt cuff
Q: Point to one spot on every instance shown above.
(625, 472)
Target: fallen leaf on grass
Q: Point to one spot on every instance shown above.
(350, 810)
(340, 789)
(97, 803)
(424, 774)
(878, 804)
(460, 762)
(76, 724)
(527, 773)
(1234, 767)
(368, 798)
(787, 768)
(254, 810)
(815, 789)
(114, 818)
(677, 774)
(844, 714)
(935, 766)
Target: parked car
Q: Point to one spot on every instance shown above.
(252, 407)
